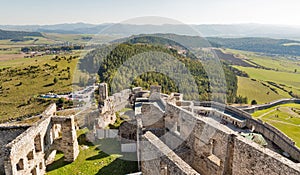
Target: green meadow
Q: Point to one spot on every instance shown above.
(275, 78)
(284, 117)
(255, 90)
(23, 79)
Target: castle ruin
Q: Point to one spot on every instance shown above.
(168, 134)
(28, 149)
(174, 136)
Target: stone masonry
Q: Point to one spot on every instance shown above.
(28, 149)
(178, 139)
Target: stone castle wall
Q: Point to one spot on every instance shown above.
(163, 159)
(8, 134)
(269, 105)
(109, 105)
(29, 151)
(252, 159)
(209, 145)
(270, 132)
(216, 149)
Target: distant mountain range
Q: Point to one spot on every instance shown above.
(254, 44)
(234, 30)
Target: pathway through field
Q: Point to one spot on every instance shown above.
(289, 111)
(286, 123)
(261, 116)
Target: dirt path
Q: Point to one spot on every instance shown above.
(286, 123)
(261, 116)
(289, 111)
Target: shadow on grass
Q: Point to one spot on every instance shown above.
(119, 167)
(83, 141)
(101, 155)
(48, 85)
(57, 164)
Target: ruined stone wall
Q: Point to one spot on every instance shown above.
(7, 134)
(157, 158)
(28, 152)
(276, 136)
(272, 104)
(216, 149)
(209, 146)
(268, 131)
(68, 143)
(250, 158)
(152, 116)
(121, 99)
(128, 132)
(110, 105)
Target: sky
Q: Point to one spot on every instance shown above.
(24, 12)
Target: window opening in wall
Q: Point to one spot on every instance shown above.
(20, 165)
(37, 143)
(41, 165)
(33, 172)
(30, 155)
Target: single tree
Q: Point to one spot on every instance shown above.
(55, 80)
(253, 102)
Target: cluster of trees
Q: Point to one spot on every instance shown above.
(23, 39)
(51, 49)
(241, 100)
(263, 45)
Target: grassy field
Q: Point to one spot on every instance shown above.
(289, 79)
(255, 90)
(286, 80)
(284, 117)
(79, 38)
(272, 78)
(280, 63)
(94, 160)
(23, 79)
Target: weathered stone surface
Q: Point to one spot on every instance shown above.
(214, 148)
(32, 146)
(166, 161)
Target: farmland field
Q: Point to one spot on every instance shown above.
(279, 63)
(270, 78)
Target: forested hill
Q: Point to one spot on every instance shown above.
(17, 34)
(169, 39)
(109, 59)
(263, 45)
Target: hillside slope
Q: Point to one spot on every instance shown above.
(17, 34)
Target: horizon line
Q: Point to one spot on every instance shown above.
(113, 23)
